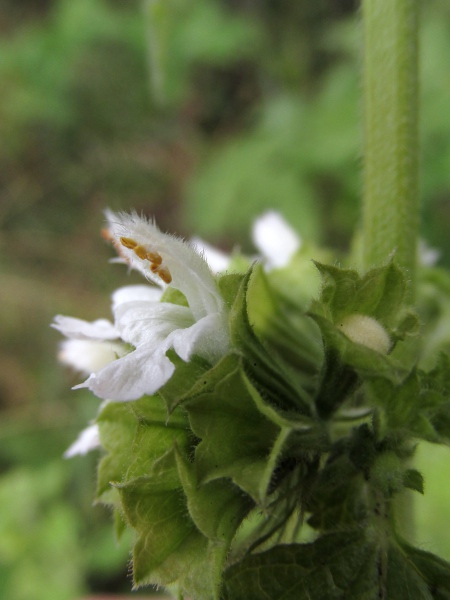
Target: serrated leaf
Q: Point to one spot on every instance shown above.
(139, 438)
(117, 427)
(235, 437)
(410, 407)
(119, 524)
(347, 565)
(403, 581)
(217, 508)
(169, 548)
(379, 293)
(433, 569)
(326, 569)
(186, 374)
(158, 513)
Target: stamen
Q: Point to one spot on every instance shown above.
(165, 275)
(128, 243)
(153, 257)
(140, 251)
(163, 272)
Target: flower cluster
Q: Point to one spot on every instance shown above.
(127, 359)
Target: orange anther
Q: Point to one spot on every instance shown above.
(128, 243)
(154, 268)
(153, 257)
(165, 275)
(141, 251)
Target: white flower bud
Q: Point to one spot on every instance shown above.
(366, 330)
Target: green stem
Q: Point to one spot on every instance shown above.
(390, 81)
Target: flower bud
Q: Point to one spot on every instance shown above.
(366, 330)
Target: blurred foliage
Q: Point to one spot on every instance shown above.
(203, 114)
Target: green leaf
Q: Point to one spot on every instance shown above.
(117, 426)
(243, 437)
(236, 438)
(412, 407)
(402, 580)
(156, 435)
(229, 285)
(282, 323)
(387, 475)
(379, 293)
(440, 420)
(433, 569)
(439, 377)
(136, 435)
(413, 480)
(326, 569)
(337, 500)
(347, 565)
(262, 367)
(217, 508)
(168, 548)
(186, 374)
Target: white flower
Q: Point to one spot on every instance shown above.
(91, 346)
(102, 329)
(275, 239)
(87, 440)
(89, 356)
(149, 326)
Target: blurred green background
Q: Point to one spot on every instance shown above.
(204, 114)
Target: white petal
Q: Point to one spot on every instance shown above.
(88, 356)
(208, 338)
(102, 329)
(150, 322)
(217, 260)
(188, 270)
(138, 373)
(275, 239)
(130, 293)
(87, 440)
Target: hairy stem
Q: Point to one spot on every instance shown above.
(390, 81)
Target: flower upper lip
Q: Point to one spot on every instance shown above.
(189, 271)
